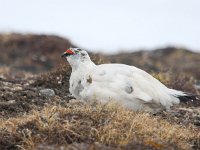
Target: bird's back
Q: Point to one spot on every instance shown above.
(128, 85)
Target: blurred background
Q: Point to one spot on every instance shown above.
(156, 35)
(108, 25)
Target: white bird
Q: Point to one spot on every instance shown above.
(128, 85)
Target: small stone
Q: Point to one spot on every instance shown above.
(197, 122)
(17, 88)
(197, 85)
(47, 92)
(8, 102)
(11, 101)
(43, 59)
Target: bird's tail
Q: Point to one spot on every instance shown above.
(183, 96)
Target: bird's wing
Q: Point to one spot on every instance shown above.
(127, 81)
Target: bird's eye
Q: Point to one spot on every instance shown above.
(78, 50)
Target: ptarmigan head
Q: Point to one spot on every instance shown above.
(75, 56)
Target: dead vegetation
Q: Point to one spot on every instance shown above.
(110, 125)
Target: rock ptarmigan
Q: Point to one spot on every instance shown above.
(124, 84)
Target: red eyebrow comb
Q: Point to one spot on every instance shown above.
(69, 51)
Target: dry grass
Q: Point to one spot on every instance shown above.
(108, 124)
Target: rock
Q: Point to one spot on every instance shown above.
(17, 88)
(47, 92)
(197, 122)
(10, 102)
(186, 109)
(197, 85)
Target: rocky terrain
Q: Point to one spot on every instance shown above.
(37, 111)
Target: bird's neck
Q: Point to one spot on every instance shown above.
(83, 65)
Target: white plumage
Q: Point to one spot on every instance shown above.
(127, 85)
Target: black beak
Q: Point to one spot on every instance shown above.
(65, 55)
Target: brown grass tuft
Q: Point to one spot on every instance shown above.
(109, 125)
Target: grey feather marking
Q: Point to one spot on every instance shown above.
(78, 88)
(89, 80)
(129, 89)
